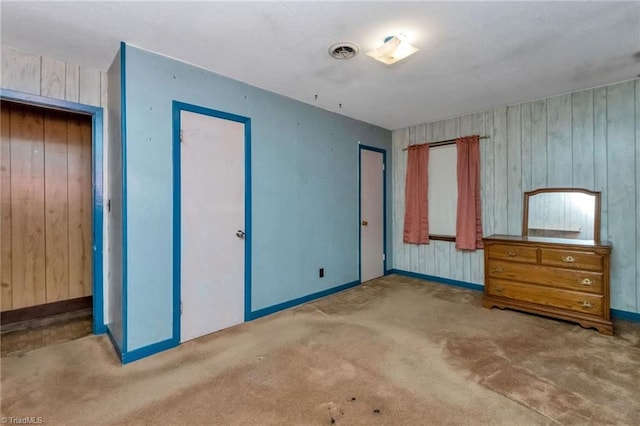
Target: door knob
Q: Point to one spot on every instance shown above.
(240, 234)
(365, 223)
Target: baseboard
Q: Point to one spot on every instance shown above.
(143, 352)
(99, 328)
(148, 350)
(114, 343)
(440, 280)
(625, 315)
(291, 303)
(45, 310)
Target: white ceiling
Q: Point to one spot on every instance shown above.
(473, 55)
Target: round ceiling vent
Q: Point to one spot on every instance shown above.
(344, 50)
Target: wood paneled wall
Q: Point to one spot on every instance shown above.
(588, 139)
(41, 75)
(46, 206)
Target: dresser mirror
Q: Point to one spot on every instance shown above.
(571, 213)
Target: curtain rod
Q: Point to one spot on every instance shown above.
(442, 143)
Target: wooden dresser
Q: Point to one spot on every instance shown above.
(555, 277)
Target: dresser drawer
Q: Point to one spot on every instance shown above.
(572, 259)
(513, 252)
(588, 281)
(547, 296)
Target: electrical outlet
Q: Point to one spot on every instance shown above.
(321, 272)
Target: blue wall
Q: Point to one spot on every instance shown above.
(304, 189)
(113, 282)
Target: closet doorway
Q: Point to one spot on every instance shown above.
(46, 229)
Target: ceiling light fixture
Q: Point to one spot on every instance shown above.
(394, 49)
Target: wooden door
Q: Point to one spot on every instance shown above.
(46, 228)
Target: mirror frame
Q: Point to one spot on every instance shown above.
(596, 217)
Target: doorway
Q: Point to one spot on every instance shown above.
(213, 220)
(372, 213)
(47, 224)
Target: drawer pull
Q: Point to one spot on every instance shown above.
(587, 281)
(512, 253)
(499, 289)
(498, 270)
(568, 259)
(586, 305)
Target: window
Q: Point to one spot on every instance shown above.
(443, 191)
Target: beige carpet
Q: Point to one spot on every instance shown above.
(394, 351)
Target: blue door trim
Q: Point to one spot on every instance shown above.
(123, 138)
(384, 206)
(176, 109)
(96, 114)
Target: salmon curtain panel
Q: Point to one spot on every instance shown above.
(416, 217)
(469, 216)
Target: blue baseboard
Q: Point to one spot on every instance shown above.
(114, 343)
(625, 315)
(433, 278)
(148, 350)
(99, 328)
(291, 303)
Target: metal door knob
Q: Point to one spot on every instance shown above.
(240, 234)
(365, 223)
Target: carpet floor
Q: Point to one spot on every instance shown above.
(392, 351)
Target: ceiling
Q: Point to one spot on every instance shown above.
(473, 55)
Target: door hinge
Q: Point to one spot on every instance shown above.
(181, 135)
(384, 256)
(109, 205)
(383, 167)
(181, 307)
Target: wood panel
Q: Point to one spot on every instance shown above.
(27, 208)
(488, 168)
(585, 139)
(559, 144)
(600, 156)
(582, 116)
(41, 228)
(53, 79)
(89, 86)
(525, 153)
(72, 83)
(538, 145)
(25, 72)
(79, 190)
(500, 171)
(514, 170)
(29, 73)
(5, 206)
(56, 205)
(20, 71)
(622, 189)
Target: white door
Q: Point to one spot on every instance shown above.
(371, 215)
(212, 213)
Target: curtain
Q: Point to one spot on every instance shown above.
(416, 218)
(469, 215)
